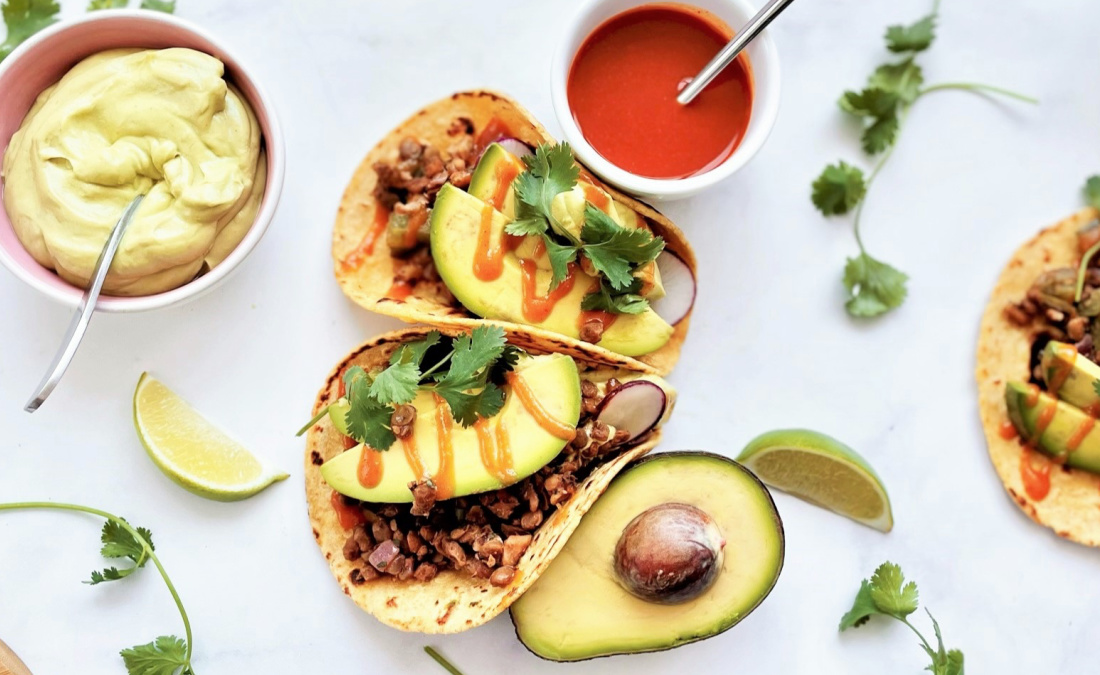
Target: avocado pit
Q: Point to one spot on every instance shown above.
(669, 554)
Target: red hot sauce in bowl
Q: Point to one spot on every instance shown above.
(623, 83)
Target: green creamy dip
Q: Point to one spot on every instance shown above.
(125, 121)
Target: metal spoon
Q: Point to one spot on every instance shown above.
(84, 311)
(732, 49)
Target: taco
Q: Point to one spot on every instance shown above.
(493, 447)
(467, 211)
(1038, 378)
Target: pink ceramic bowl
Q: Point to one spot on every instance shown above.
(48, 55)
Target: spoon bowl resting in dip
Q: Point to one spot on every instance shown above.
(96, 110)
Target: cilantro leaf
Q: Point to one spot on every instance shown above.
(880, 135)
(890, 592)
(525, 226)
(913, 38)
(396, 384)
(368, 421)
(871, 102)
(166, 655)
(23, 19)
(862, 609)
(551, 170)
(106, 4)
(874, 287)
(560, 256)
(119, 543)
(838, 189)
(414, 352)
(467, 407)
(903, 79)
(473, 352)
(1092, 191)
(613, 249)
(505, 364)
(166, 6)
(626, 302)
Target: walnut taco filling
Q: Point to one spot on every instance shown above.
(1039, 378)
(446, 469)
(470, 211)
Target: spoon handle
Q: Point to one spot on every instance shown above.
(725, 57)
(83, 315)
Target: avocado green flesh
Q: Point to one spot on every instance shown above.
(578, 610)
(455, 222)
(555, 384)
(1074, 376)
(1065, 425)
(485, 181)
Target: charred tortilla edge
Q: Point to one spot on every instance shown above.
(368, 284)
(1072, 507)
(453, 601)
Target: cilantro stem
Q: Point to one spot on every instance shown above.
(147, 550)
(979, 89)
(315, 420)
(927, 646)
(442, 661)
(871, 179)
(437, 366)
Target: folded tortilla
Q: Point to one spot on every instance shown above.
(368, 283)
(453, 601)
(1072, 507)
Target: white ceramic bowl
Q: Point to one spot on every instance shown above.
(765, 103)
(46, 56)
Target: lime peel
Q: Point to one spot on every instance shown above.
(821, 470)
(191, 451)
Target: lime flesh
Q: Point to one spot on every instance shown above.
(822, 471)
(191, 451)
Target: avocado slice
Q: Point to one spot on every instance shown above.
(1069, 376)
(555, 383)
(455, 222)
(1055, 427)
(567, 208)
(580, 609)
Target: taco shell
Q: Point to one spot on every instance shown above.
(1072, 507)
(453, 601)
(369, 282)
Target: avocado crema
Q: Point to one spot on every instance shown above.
(128, 121)
(681, 546)
(445, 496)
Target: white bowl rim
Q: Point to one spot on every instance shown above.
(661, 188)
(70, 295)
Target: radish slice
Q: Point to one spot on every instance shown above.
(515, 146)
(636, 406)
(679, 283)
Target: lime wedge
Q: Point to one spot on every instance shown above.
(193, 452)
(822, 471)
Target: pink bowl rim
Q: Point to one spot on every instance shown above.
(69, 295)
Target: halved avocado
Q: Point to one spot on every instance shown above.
(455, 223)
(1069, 376)
(1055, 427)
(554, 382)
(581, 607)
(496, 165)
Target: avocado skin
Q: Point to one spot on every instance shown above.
(1078, 374)
(1065, 423)
(768, 504)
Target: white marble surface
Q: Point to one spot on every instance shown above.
(770, 346)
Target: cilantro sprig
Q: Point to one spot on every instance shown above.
(476, 363)
(24, 18)
(887, 593)
(167, 654)
(875, 287)
(615, 252)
